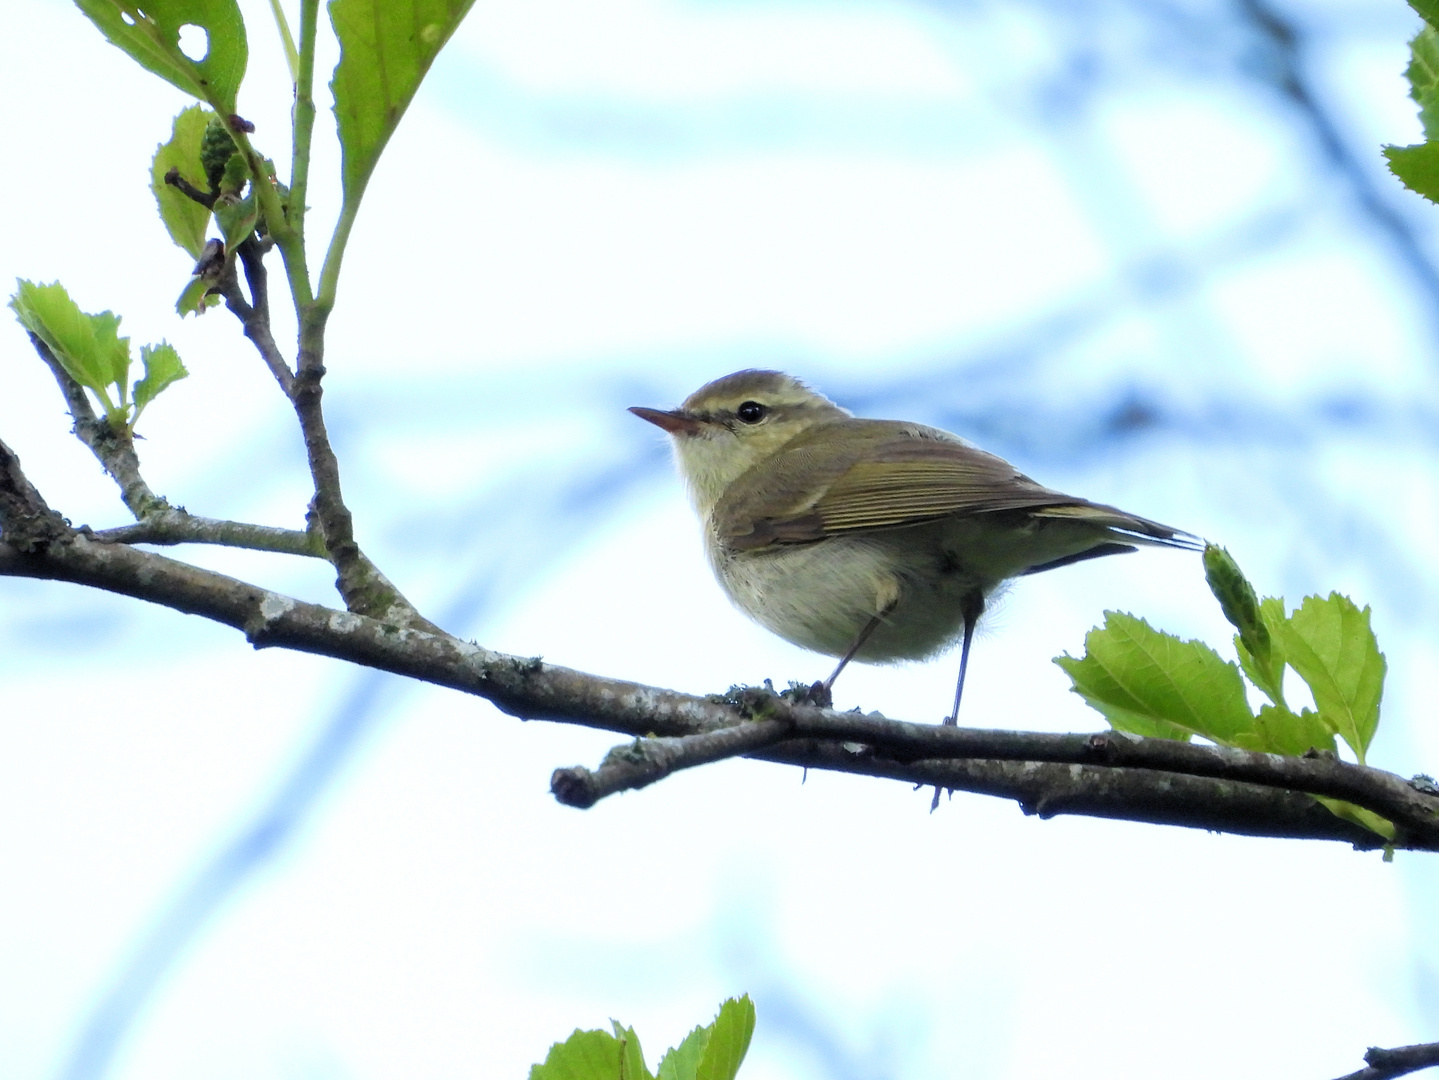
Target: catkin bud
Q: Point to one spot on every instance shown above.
(1238, 600)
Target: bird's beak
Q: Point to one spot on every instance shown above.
(675, 421)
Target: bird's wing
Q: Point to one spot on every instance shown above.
(864, 475)
(859, 475)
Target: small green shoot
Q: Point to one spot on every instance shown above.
(90, 350)
(713, 1052)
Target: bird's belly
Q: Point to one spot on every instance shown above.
(820, 596)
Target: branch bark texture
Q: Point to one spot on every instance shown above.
(1398, 1061)
(1107, 775)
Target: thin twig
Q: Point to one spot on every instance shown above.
(1399, 1061)
(115, 450)
(363, 588)
(176, 526)
(642, 762)
(254, 315)
(204, 198)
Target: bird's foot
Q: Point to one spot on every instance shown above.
(816, 694)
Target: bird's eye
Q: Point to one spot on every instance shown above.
(752, 412)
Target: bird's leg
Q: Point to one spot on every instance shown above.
(869, 628)
(819, 694)
(972, 606)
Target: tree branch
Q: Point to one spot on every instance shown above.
(642, 762)
(254, 315)
(364, 589)
(26, 522)
(1400, 1061)
(177, 526)
(1079, 777)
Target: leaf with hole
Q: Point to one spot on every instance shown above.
(152, 37)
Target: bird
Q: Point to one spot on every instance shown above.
(870, 540)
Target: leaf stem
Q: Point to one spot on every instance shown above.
(304, 120)
(330, 271)
(282, 24)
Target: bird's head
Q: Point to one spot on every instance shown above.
(727, 427)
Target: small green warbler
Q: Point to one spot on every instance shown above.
(871, 540)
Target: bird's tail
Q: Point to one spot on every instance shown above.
(1126, 528)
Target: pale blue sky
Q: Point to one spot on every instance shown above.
(1097, 238)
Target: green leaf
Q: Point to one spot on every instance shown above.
(1332, 646)
(151, 35)
(235, 175)
(1268, 676)
(1261, 660)
(1151, 683)
(88, 347)
(236, 218)
(683, 1062)
(185, 219)
(386, 46)
(1357, 814)
(729, 1040)
(162, 367)
(585, 1055)
(192, 299)
(1423, 76)
(209, 269)
(1280, 731)
(1417, 167)
(632, 1058)
(111, 350)
(1428, 10)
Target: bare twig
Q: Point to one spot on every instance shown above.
(204, 198)
(1399, 1061)
(254, 315)
(177, 526)
(363, 588)
(642, 762)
